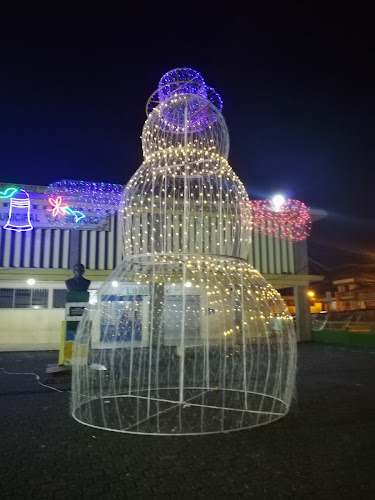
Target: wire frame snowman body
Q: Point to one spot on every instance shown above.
(185, 336)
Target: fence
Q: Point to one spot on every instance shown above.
(346, 321)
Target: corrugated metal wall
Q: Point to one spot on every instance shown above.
(272, 255)
(49, 248)
(45, 248)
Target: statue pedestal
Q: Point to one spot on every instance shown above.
(76, 303)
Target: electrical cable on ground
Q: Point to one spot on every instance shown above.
(35, 375)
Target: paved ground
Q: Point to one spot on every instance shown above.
(325, 448)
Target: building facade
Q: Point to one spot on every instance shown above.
(36, 258)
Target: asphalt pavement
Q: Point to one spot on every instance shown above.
(323, 449)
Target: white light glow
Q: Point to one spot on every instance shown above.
(278, 200)
(93, 300)
(30, 281)
(188, 284)
(115, 284)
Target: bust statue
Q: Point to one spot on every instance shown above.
(78, 283)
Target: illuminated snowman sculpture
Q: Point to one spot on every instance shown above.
(185, 337)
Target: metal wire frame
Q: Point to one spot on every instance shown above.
(187, 344)
(186, 337)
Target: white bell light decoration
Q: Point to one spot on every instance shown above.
(193, 339)
(19, 212)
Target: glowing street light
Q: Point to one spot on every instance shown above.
(278, 200)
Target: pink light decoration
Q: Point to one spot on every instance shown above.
(291, 221)
(58, 208)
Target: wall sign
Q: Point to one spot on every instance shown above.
(76, 310)
(21, 209)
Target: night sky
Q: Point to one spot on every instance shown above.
(297, 81)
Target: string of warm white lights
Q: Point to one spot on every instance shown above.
(191, 339)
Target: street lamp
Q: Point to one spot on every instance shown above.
(278, 200)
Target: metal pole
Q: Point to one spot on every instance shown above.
(184, 250)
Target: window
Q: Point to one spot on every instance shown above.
(39, 298)
(23, 298)
(59, 298)
(6, 297)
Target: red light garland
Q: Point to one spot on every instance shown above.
(291, 221)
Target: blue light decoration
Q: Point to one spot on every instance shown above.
(81, 199)
(181, 81)
(19, 203)
(185, 85)
(59, 208)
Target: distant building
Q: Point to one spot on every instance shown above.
(353, 294)
(346, 288)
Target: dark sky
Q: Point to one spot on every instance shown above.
(297, 80)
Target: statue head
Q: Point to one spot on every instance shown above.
(78, 270)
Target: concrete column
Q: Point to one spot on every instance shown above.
(301, 261)
(303, 316)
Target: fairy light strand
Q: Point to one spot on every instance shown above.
(184, 321)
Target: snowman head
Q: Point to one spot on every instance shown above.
(185, 112)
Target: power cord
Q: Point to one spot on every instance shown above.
(35, 375)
